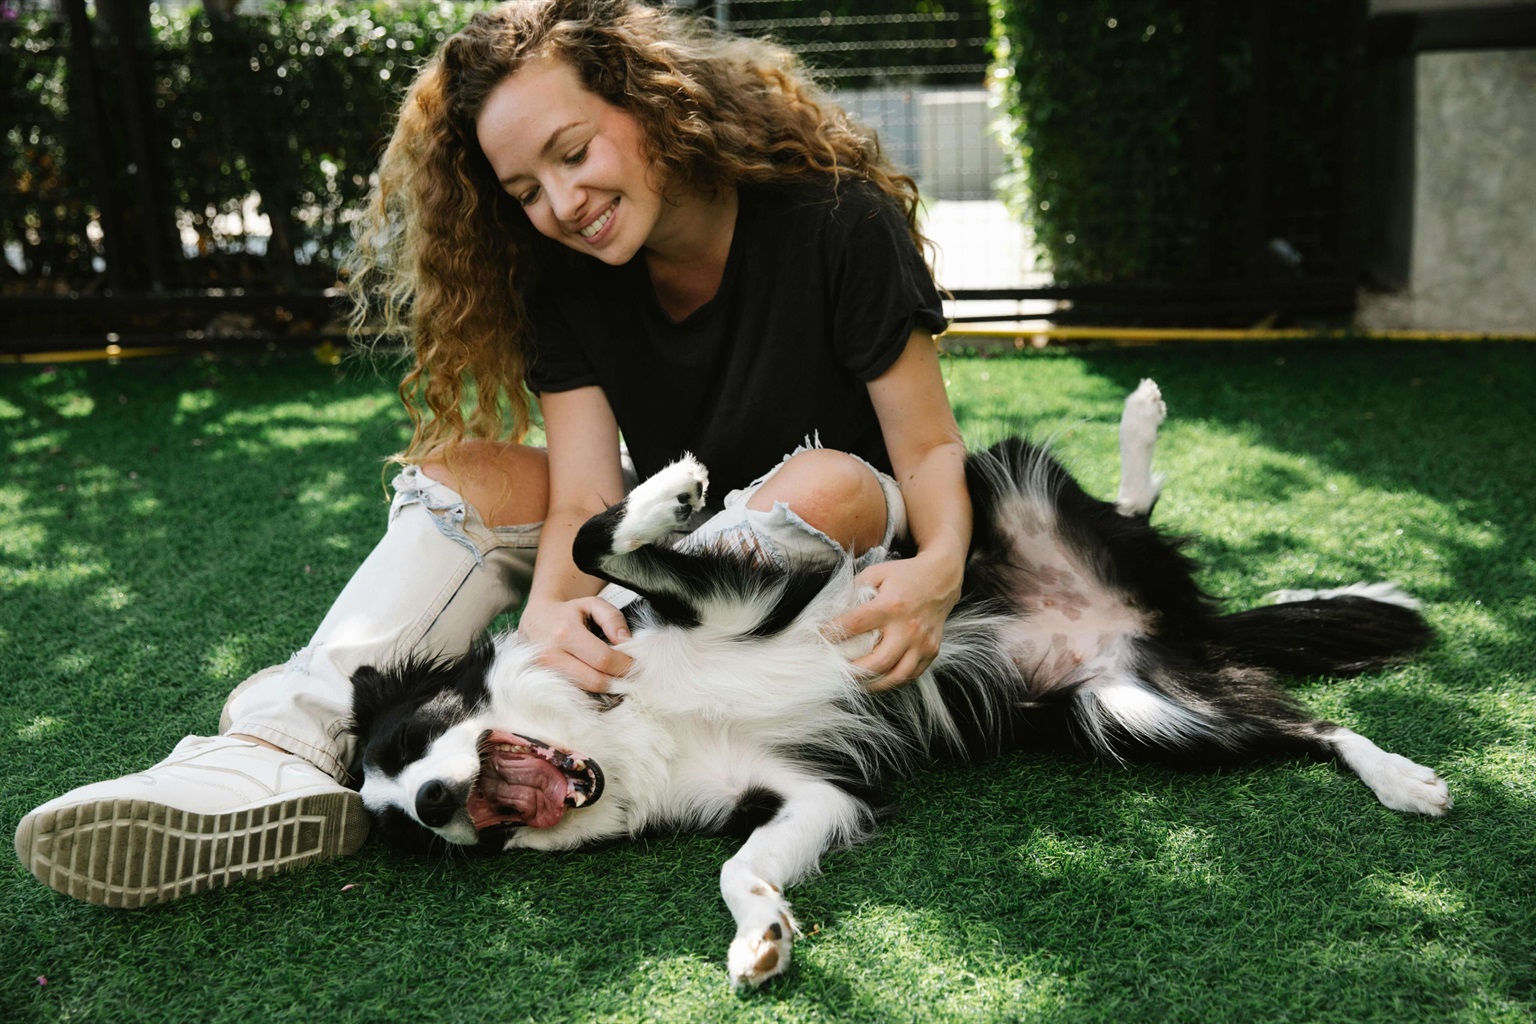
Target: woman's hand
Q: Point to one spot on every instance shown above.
(913, 597)
(569, 646)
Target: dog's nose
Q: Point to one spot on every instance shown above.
(436, 803)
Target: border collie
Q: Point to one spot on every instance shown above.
(1079, 624)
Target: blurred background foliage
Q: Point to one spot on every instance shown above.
(1178, 140)
(290, 101)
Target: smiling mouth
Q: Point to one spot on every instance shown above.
(591, 230)
(528, 782)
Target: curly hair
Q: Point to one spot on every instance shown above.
(443, 252)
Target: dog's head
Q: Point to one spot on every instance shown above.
(437, 769)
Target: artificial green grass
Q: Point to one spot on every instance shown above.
(171, 526)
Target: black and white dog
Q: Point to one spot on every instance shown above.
(1079, 622)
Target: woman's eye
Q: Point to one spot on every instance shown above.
(527, 198)
(577, 157)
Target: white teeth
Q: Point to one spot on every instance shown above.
(599, 224)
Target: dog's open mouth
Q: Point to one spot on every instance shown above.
(528, 782)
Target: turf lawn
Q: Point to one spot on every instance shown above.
(167, 527)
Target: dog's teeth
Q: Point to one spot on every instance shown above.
(578, 799)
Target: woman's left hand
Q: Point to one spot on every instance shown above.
(913, 597)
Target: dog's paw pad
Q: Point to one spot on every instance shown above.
(1144, 412)
(662, 505)
(759, 955)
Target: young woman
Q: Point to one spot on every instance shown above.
(673, 239)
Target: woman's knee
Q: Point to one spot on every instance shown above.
(833, 491)
(507, 484)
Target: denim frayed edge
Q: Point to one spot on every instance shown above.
(451, 514)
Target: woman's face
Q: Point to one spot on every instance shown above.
(572, 160)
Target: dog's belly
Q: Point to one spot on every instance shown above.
(1070, 626)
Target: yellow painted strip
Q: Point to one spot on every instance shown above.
(1027, 335)
(88, 355)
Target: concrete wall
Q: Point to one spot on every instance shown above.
(1474, 218)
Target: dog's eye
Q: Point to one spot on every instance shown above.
(391, 751)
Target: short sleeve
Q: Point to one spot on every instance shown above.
(882, 288)
(555, 360)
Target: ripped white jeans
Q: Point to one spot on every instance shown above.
(433, 584)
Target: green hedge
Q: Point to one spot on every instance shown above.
(292, 100)
(1103, 105)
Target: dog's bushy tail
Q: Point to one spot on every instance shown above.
(1342, 632)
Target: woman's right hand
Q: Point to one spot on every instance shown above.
(570, 647)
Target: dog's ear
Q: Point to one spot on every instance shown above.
(372, 692)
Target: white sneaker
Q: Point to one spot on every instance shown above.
(216, 811)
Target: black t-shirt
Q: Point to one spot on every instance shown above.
(821, 290)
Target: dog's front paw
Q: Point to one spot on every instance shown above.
(661, 505)
(761, 951)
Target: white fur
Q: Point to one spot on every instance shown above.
(1387, 593)
(662, 504)
(1144, 412)
(1397, 782)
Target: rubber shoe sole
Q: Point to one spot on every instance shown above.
(133, 853)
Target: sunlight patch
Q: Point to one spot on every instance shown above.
(38, 443)
(1050, 856)
(228, 658)
(22, 540)
(112, 598)
(40, 727)
(1190, 856)
(74, 663)
(57, 576)
(334, 493)
(194, 403)
(355, 410)
(917, 958)
(72, 404)
(145, 506)
(1427, 897)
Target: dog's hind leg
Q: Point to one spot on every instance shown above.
(1125, 716)
(1144, 412)
(1397, 782)
(814, 816)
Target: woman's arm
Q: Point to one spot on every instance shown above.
(914, 595)
(584, 479)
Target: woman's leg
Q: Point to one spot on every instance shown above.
(442, 572)
(269, 797)
(817, 504)
(834, 492)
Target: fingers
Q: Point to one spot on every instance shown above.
(862, 618)
(891, 665)
(586, 677)
(609, 619)
(568, 646)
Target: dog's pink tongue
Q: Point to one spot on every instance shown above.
(523, 788)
